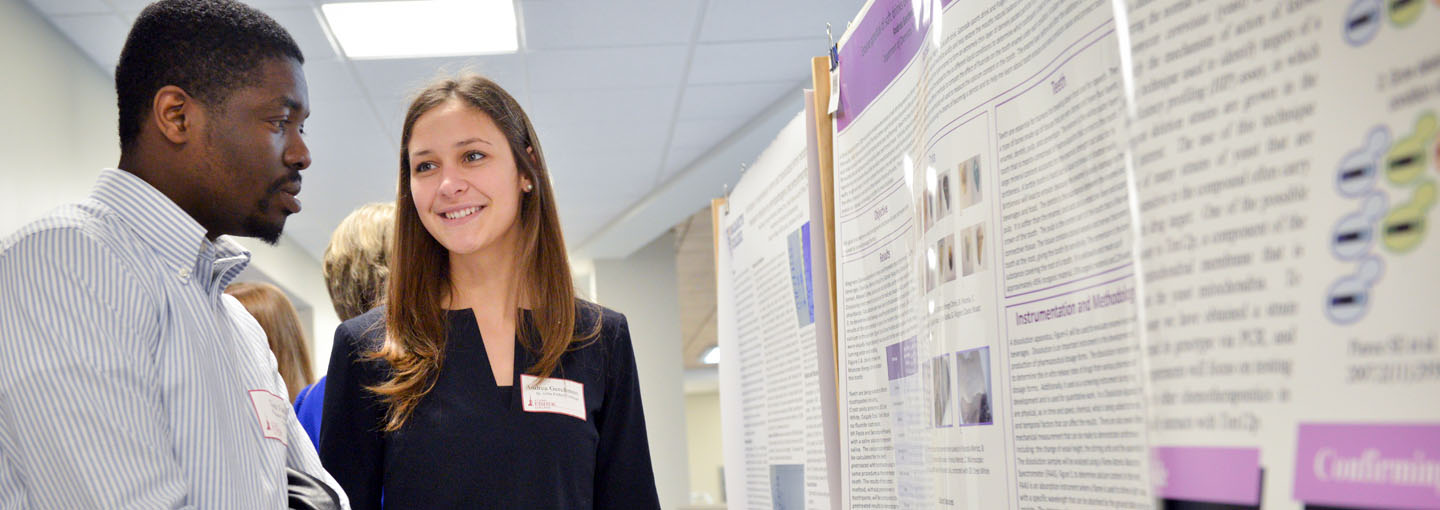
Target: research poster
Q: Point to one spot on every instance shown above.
(1285, 156)
(989, 352)
(1138, 254)
(776, 369)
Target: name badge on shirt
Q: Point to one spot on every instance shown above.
(271, 410)
(552, 395)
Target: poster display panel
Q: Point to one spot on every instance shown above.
(776, 369)
(1138, 254)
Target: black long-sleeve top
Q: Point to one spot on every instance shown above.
(469, 443)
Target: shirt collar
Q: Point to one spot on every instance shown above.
(173, 234)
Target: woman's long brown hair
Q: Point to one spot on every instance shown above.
(415, 322)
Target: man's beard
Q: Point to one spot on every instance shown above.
(256, 226)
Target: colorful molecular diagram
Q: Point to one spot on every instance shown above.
(1354, 233)
(1364, 17)
(1399, 227)
(1408, 159)
(1349, 298)
(1362, 22)
(1360, 168)
(1404, 12)
(1404, 228)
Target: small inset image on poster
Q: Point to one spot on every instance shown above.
(972, 250)
(967, 253)
(981, 261)
(801, 282)
(969, 177)
(932, 268)
(945, 250)
(942, 397)
(938, 201)
(972, 369)
(787, 486)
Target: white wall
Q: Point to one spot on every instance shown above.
(702, 431)
(59, 126)
(59, 130)
(642, 286)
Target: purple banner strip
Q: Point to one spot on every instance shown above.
(1213, 475)
(1373, 466)
(883, 43)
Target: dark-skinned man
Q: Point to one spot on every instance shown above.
(128, 379)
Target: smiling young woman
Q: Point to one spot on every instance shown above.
(484, 382)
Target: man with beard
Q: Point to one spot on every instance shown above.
(128, 379)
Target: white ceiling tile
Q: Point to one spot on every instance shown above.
(553, 24)
(591, 188)
(404, 77)
(744, 20)
(392, 115)
(602, 108)
(602, 174)
(580, 219)
(339, 129)
(704, 132)
(585, 137)
(680, 157)
(735, 100)
(330, 79)
(305, 28)
(755, 61)
(353, 164)
(99, 35)
(63, 7)
(641, 66)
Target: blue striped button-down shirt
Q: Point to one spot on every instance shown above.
(128, 379)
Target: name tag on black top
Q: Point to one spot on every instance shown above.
(552, 395)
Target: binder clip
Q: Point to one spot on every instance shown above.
(834, 50)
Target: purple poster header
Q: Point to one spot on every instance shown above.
(883, 42)
(1371, 466)
(901, 360)
(1211, 475)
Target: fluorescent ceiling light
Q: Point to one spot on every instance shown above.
(432, 28)
(712, 356)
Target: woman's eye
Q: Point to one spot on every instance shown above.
(424, 167)
(473, 156)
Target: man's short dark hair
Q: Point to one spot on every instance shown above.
(209, 48)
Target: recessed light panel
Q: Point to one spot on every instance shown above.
(433, 28)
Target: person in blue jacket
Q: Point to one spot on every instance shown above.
(483, 382)
(355, 271)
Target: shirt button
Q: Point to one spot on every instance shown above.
(184, 273)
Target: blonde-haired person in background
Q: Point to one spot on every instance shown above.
(356, 259)
(276, 315)
(355, 269)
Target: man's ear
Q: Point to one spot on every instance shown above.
(176, 114)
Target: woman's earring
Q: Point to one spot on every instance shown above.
(529, 187)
